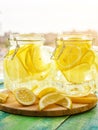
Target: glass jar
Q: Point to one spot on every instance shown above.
(95, 48)
(75, 58)
(25, 63)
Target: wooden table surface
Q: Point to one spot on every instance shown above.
(84, 121)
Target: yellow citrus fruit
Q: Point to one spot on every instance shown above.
(19, 69)
(85, 99)
(22, 66)
(69, 57)
(15, 69)
(41, 59)
(40, 92)
(89, 57)
(3, 97)
(77, 74)
(65, 102)
(24, 55)
(29, 60)
(24, 96)
(49, 99)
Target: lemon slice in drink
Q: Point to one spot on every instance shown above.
(24, 96)
(69, 57)
(49, 99)
(65, 102)
(88, 57)
(15, 69)
(41, 58)
(24, 55)
(77, 74)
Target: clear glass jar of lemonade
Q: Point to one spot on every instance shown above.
(26, 62)
(75, 58)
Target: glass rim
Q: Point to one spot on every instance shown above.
(75, 36)
(26, 37)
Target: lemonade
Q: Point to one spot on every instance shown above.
(26, 62)
(76, 59)
(71, 68)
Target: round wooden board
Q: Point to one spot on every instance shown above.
(12, 106)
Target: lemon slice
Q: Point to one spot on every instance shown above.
(77, 74)
(65, 102)
(3, 97)
(15, 69)
(24, 54)
(69, 57)
(49, 99)
(24, 96)
(29, 60)
(88, 57)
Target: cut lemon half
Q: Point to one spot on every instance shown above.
(24, 96)
(65, 102)
(49, 99)
(69, 57)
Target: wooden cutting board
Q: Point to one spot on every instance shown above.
(12, 106)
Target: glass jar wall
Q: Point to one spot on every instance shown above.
(25, 62)
(75, 58)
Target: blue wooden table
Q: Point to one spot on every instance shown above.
(84, 121)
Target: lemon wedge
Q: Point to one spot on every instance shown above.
(40, 92)
(49, 99)
(85, 99)
(65, 102)
(3, 97)
(24, 96)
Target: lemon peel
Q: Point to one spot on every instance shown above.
(45, 91)
(3, 97)
(65, 102)
(49, 99)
